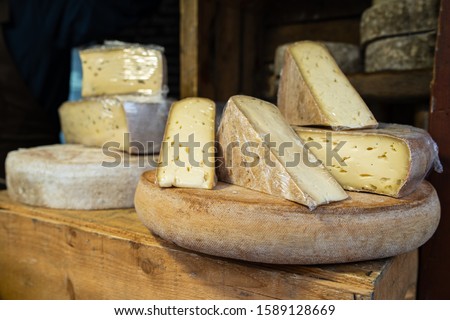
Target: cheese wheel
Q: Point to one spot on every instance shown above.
(74, 177)
(401, 53)
(395, 18)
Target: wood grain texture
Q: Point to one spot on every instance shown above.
(434, 279)
(235, 222)
(189, 47)
(109, 254)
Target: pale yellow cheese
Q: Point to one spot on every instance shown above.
(187, 153)
(131, 123)
(391, 160)
(314, 91)
(284, 168)
(122, 69)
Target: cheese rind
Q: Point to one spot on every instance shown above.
(401, 17)
(131, 123)
(408, 52)
(187, 153)
(284, 168)
(391, 160)
(314, 91)
(74, 177)
(121, 68)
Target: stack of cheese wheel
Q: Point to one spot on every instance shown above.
(111, 134)
(399, 34)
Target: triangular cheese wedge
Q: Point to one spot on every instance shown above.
(260, 151)
(314, 91)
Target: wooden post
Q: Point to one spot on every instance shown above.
(434, 278)
(189, 48)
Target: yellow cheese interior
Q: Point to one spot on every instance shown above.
(333, 93)
(122, 70)
(183, 165)
(94, 122)
(312, 179)
(370, 162)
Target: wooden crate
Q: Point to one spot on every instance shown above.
(109, 254)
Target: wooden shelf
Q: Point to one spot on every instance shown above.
(109, 254)
(402, 86)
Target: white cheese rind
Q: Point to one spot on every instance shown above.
(123, 69)
(74, 177)
(314, 91)
(400, 17)
(284, 169)
(183, 164)
(391, 160)
(131, 123)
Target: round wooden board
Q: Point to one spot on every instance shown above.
(234, 222)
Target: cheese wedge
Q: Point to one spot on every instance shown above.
(131, 123)
(121, 68)
(391, 160)
(69, 176)
(187, 154)
(314, 91)
(259, 151)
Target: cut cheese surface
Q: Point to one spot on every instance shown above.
(391, 160)
(122, 69)
(314, 91)
(187, 153)
(260, 151)
(75, 177)
(131, 123)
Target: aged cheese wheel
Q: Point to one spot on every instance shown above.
(74, 177)
(401, 53)
(394, 18)
(234, 222)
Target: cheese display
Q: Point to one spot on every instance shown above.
(407, 52)
(259, 151)
(74, 177)
(187, 153)
(395, 18)
(131, 123)
(391, 160)
(314, 91)
(121, 68)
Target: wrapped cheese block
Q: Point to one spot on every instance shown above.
(122, 68)
(401, 17)
(74, 177)
(391, 160)
(407, 52)
(259, 151)
(132, 123)
(314, 91)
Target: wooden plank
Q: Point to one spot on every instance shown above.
(294, 11)
(109, 254)
(189, 48)
(402, 87)
(434, 278)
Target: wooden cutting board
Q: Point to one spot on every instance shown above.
(234, 222)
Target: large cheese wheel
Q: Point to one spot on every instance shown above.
(401, 53)
(394, 18)
(74, 177)
(235, 222)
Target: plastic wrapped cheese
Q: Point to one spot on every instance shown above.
(131, 123)
(123, 68)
